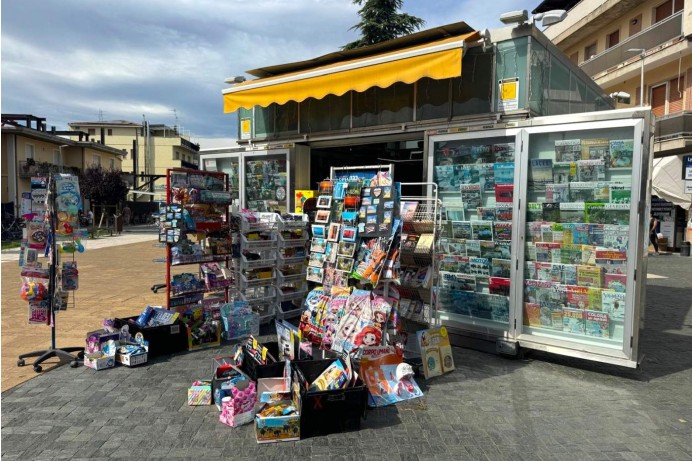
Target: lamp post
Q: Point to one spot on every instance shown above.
(641, 52)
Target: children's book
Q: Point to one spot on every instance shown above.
(573, 321)
(589, 276)
(378, 369)
(620, 193)
(568, 150)
(572, 212)
(503, 230)
(591, 170)
(613, 304)
(621, 153)
(436, 351)
(540, 173)
(556, 193)
(471, 196)
(615, 282)
(504, 172)
(597, 324)
(564, 172)
(504, 193)
(595, 149)
(532, 314)
(581, 191)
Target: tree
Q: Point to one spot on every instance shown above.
(381, 21)
(102, 187)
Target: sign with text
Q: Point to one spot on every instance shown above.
(687, 168)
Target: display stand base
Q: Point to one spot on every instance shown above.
(46, 354)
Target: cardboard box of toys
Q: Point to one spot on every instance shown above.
(203, 327)
(163, 330)
(277, 416)
(226, 375)
(99, 352)
(132, 354)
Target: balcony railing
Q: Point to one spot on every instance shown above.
(27, 170)
(658, 34)
(673, 126)
(189, 145)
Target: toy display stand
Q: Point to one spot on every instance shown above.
(64, 353)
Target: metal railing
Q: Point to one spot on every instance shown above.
(673, 126)
(28, 169)
(658, 34)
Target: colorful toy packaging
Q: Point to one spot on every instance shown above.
(237, 409)
(199, 393)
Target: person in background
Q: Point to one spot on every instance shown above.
(653, 236)
(90, 217)
(127, 214)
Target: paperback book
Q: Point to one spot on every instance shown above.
(504, 173)
(540, 173)
(621, 153)
(471, 196)
(573, 321)
(613, 304)
(595, 149)
(572, 212)
(591, 170)
(556, 193)
(568, 150)
(597, 324)
(564, 172)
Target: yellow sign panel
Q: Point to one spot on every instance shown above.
(509, 90)
(245, 128)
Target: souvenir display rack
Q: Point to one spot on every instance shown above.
(195, 225)
(291, 284)
(70, 242)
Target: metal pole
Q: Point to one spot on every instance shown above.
(641, 83)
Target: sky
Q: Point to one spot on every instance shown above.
(166, 61)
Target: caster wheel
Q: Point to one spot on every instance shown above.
(20, 363)
(38, 368)
(74, 364)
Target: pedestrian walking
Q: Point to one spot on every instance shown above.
(653, 236)
(127, 214)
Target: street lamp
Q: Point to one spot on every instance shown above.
(641, 52)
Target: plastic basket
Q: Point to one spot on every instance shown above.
(286, 294)
(284, 261)
(265, 261)
(289, 278)
(257, 221)
(246, 283)
(292, 243)
(298, 221)
(240, 326)
(264, 244)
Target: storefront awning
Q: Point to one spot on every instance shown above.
(437, 60)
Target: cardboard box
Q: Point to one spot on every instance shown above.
(132, 359)
(199, 393)
(99, 361)
(207, 335)
(163, 339)
(277, 428)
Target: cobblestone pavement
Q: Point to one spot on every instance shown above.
(541, 407)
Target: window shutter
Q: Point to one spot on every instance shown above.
(658, 100)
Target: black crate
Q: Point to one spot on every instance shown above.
(256, 371)
(327, 412)
(163, 339)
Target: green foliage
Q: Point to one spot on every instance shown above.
(103, 187)
(381, 21)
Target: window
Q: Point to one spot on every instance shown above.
(658, 100)
(666, 10)
(613, 39)
(635, 25)
(111, 164)
(96, 160)
(110, 131)
(176, 155)
(574, 57)
(589, 51)
(92, 131)
(29, 151)
(57, 158)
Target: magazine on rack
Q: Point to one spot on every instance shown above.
(503, 211)
(469, 174)
(572, 212)
(540, 173)
(573, 321)
(621, 153)
(583, 191)
(597, 324)
(534, 212)
(556, 193)
(564, 172)
(487, 175)
(504, 193)
(567, 150)
(471, 196)
(620, 193)
(504, 173)
(613, 304)
(591, 170)
(595, 149)
(503, 152)
(499, 285)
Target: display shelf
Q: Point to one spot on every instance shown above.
(283, 279)
(292, 242)
(289, 260)
(204, 259)
(245, 282)
(251, 264)
(286, 293)
(257, 221)
(201, 290)
(268, 240)
(289, 309)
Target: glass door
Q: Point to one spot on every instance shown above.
(477, 184)
(266, 181)
(579, 239)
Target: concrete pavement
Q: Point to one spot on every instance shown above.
(490, 408)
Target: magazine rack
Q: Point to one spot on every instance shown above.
(53, 351)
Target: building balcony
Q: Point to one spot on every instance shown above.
(189, 165)
(184, 142)
(669, 30)
(673, 134)
(28, 170)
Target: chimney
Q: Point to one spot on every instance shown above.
(103, 136)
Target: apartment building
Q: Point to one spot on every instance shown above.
(30, 149)
(622, 43)
(151, 149)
